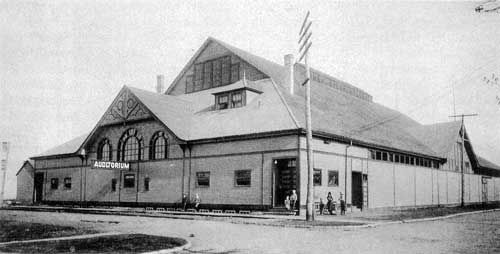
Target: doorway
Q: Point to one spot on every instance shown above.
(357, 190)
(38, 186)
(285, 180)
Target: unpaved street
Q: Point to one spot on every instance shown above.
(477, 233)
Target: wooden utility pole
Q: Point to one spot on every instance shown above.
(462, 203)
(4, 155)
(304, 46)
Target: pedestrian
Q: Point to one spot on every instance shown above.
(184, 201)
(293, 200)
(329, 204)
(197, 202)
(287, 203)
(321, 206)
(342, 204)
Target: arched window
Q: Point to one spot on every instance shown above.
(158, 146)
(130, 146)
(104, 150)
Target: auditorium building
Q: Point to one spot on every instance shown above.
(231, 128)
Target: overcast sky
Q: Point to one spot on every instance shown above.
(62, 63)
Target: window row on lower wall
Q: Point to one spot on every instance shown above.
(403, 159)
(242, 178)
(333, 178)
(54, 183)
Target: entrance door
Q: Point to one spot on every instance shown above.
(38, 185)
(484, 182)
(285, 180)
(357, 190)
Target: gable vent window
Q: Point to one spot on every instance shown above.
(212, 73)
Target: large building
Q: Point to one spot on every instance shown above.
(231, 128)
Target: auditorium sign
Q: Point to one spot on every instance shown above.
(110, 165)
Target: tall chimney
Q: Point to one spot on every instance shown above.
(289, 63)
(160, 83)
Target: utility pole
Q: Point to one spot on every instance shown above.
(462, 203)
(304, 45)
(4, 155)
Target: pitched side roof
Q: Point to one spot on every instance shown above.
(487, 167)
(69, 147)
(26, 163)
(440, 137)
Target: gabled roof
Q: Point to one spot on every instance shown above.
(26, 163)
(335, 112)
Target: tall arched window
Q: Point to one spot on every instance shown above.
(130, 146)
(158, 146)
(104, 150)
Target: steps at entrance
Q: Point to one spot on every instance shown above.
(279, 211)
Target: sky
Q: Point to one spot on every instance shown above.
(63, 62)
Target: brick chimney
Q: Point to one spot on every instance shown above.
(289, 63)
(160, 83)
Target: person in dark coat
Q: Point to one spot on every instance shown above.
(184, 201)
(329, 204)
(321, 206)
(342, 204)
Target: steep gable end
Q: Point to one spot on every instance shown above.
(213, 65)
(125, 107)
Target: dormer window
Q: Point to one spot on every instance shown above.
(222, 101)
(230, 99)
(236, 99)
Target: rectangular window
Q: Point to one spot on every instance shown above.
(222, 101)
(236, 99)
(207, 75)
(379, 155)
(226, 70)
(113, 184)
(407, 159)
(189, 84)
(146, 184)
(54, 183)
(384, 156)
(235, 72)
(217, 75)
(391, 157)
(129, 181)
(198, 77)
(396, 158)
(412, 161)
(67, 183)
(372, 153)
(333, 178)
(203, 179)
(243, 177)
(317, 177)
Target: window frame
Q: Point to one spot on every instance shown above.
(122, 145)
(127, 183)
(204, 174)
(114, 183)
(154, 146)
(67, 184)
(315, 171)
(100, 150)
(54, 183)
(147, 183)
(249, 171)
(337, 178)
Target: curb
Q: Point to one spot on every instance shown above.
(164, 251)
(62, 238)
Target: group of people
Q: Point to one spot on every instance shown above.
(290, 201)
(330, 205)
(186, 201)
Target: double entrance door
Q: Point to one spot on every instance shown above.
(285, 180)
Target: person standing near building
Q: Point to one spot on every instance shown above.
(329, 204)
(184, 201)
(287, 203)
(293, 200)
(197, 202)
(342, 204)
(321, 206)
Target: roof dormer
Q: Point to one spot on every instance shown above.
(235, 95)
